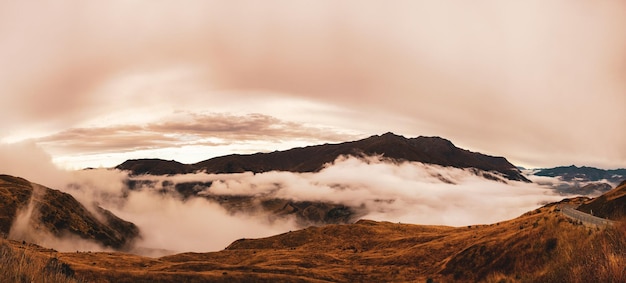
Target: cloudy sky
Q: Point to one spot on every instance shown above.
(93, 83)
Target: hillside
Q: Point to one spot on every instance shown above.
(539, 246)
(611, 205)
(431, 150)
(542, 245)
(30, 212)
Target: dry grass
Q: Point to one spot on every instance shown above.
(29, 263)
(599, 257)
(540, 246)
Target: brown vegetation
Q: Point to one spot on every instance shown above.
(611, 205)
(58, 214)
(540, 246)
(30, 263)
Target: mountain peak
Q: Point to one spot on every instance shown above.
(154, 166)
(390, 134)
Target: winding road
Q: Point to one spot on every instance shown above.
(586, 219)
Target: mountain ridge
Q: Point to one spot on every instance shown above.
(431, 150)
(583, 173)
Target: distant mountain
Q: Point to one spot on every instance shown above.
(583, 188)
(611, 205)
(431, 150)
(48, 211)
(583, 174)
(156, 167)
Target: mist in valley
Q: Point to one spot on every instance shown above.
(378, 188)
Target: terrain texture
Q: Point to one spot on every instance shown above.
(540, 246)
(33, 212)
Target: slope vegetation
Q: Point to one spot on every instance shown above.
(540, 246)
(30, 211)
(611, 205)
(22, 262)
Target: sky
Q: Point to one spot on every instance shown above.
(94, 83)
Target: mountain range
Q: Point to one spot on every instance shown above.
(583, 174)
(585, 181)
(430, 150)
(392, 147)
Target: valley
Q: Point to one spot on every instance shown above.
(540, 246)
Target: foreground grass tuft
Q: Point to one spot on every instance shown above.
(21, 263)
(599, 257)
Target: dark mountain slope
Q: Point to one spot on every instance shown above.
(58, 213)
(432, 150)
(155, 167)
(611, 205)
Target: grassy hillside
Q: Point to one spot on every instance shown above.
(540, 246)
(611, 205)
(22, 262)
(48, 211)
(14, 195)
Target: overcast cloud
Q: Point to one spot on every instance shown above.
(540, 82)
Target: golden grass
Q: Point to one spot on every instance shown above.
(599, 257)
(540, 246)
(30, 263)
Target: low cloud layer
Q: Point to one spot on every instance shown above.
(410, 192)
(407, 192)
